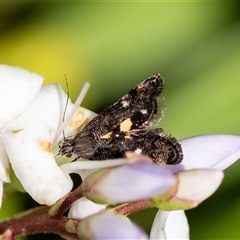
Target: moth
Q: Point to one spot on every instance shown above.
(127, 125)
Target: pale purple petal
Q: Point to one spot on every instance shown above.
(128, 183)
(109, 226)
(209, 151)
(170, 225)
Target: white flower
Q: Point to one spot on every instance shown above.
(83, 208)
(32, 158)
(30, 119)
(170, 225)
(18, 88)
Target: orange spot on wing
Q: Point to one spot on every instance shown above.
(106, 136)
(125, 126)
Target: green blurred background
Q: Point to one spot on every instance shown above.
(114, 46)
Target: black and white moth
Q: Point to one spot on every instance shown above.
(127, 125)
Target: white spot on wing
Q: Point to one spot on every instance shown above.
(138, 151)
(125, 104)
(143, 111)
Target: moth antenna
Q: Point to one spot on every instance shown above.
(65, 109)
(78, 102)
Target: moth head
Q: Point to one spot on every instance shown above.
(65, 147)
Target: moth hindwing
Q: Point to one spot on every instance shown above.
(127, 126)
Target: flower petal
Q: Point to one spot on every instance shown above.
(109, 226)
(1, 193)
(194, 184)
(209, 151)
(28, 141)
(127, 183)
(82, 167)
(83, 208)
(4, 166)
(192, 188)
(18, 88)
(170, 225)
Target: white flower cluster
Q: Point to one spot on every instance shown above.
(30, 115)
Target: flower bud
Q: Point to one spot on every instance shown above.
(126, 183)
(109, 226)
(193, 187)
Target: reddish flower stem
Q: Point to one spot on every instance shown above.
(36, 221)
(65, 203)
(50, 220)
(129, 208)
